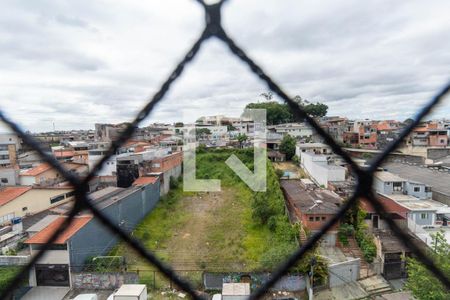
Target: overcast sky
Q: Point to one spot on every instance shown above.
(76, 63)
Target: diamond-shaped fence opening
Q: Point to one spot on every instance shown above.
(212, 29)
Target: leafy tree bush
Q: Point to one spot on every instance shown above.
(366, 243)
(345, 230)
(421, 282)
(287, 146)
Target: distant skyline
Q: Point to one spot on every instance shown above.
(76, 63)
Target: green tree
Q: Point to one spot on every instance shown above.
(287, 146)
(202, 132)
(276, 113)
(241, 137)
(422, 283)
(316, 109)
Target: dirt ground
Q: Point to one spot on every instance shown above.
(290, 167)
(189, 245)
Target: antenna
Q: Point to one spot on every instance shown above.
(316, 203)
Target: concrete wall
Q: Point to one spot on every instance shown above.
(175, 173)
(292, 283)
(316, 167)
(13, 260)
(95, 239)
(429, 220)
(10, 175)
(53, 257)
(441, 197)
(103, 281)
(436, 154)
(345, 272)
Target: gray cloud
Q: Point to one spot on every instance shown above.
(81, 62)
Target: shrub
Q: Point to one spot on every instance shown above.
(366, 244)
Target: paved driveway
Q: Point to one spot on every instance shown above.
(46, 293)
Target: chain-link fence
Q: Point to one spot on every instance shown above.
(214, 29)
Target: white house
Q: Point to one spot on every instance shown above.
(320, 171)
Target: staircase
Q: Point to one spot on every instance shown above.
(352, 250)
(375, 285)
(303, 236)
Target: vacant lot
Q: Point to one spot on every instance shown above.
(235, 229)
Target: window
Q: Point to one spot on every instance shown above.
(428, 189)
(70, 194)
(4, 180)
(311, 219)
(52, 247)
(56, 199)
(317, 219)
(424, 216)
(323, 218)
(397, 186)
(416, 189)
(24, 208)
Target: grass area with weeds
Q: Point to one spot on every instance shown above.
(236, 229)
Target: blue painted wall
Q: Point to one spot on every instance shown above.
(94, 239)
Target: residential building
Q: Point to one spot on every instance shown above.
(316, 148)
(8, 154)
(9, 176)
(45, 175)
(312, 207)
(86, 237)
(109, 168)
(320, 170)
(388, 183)
(429, 135)
(298, 130)
(19, 201)
(168, 168)
(367, 133)
(132, 165)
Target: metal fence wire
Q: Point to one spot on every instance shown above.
(214, 29)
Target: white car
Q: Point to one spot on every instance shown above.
(86, 297)
(217, 297)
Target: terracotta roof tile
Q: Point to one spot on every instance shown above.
(145, 180)
(36, 170)
(64, 153)
(10, 193)
(44, 235)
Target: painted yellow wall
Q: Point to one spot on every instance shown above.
(36, 200)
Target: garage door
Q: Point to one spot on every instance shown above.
(52, 275)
